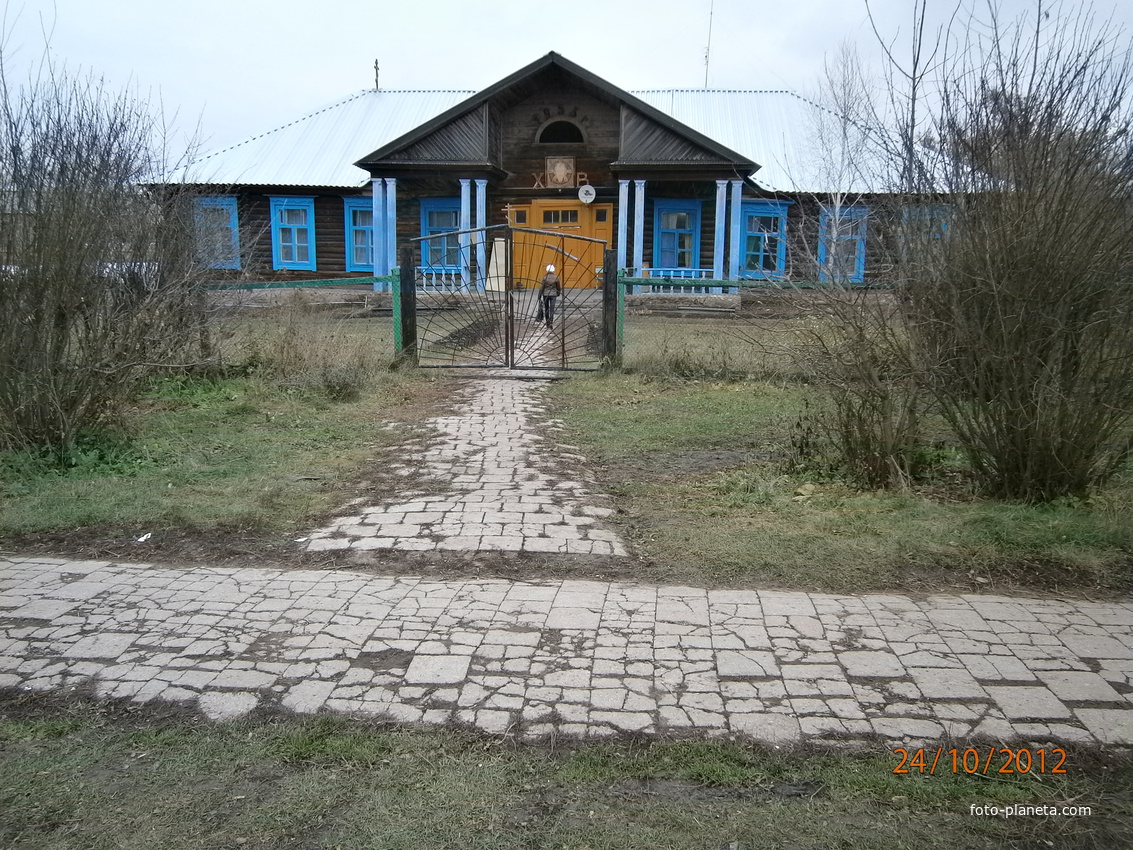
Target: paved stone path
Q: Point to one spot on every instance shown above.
(489, 477)
(578, 658)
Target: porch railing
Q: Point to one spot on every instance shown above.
(433, 279)
(667, 282)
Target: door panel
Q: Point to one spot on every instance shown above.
(579, 266)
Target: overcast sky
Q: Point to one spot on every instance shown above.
(236, 68)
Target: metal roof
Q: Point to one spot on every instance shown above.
(773, 128)
(770, 127)
(320, 149)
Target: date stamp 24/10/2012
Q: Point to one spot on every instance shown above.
(989, 760)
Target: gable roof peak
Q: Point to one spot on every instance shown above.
(590, 80)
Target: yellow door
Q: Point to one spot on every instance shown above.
(577, 262)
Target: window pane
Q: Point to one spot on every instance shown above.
(684, 251)
(293, 216)
(214, 218)
(763, 224)
(363, 218)
(443, 219)
(668, 250)
(754, 252)
(845, 256)
(216, 236)
(302, 255)
(675, 220)
(362, 247)
(771, 253)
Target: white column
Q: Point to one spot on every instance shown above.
(465, 225)
(734, 254)
(391, 224)
(638, 226)
(721, 225)
(481, 223)
(623, 221)
(377, 231)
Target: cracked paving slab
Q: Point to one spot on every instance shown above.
(577, 658)
(489, 477)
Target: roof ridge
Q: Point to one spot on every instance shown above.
(335, 105)
(299, 120)
(718, 91)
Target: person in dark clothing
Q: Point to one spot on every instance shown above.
(550, 288)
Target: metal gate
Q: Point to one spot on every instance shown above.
(471, 298)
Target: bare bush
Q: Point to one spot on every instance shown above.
(997, 164)
(859, 353)
(1020, 295)
(858, 350)
(99, 274)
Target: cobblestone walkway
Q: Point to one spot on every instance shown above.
(579, 658)
(490, 477)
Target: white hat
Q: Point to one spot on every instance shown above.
(550, 268)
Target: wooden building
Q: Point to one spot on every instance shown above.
(550, 147)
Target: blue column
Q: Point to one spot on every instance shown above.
(737, 209)
(377, 231)
(465, 225)
(721, 225)
(481, 222)
(623, 221)
(638, 226)
(391, 224)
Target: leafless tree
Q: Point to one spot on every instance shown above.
(1019, 245)
(1004, 155)
(857, 351)
(99, 266)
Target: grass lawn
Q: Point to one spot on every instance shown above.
(698, 466)
(230, 453)
(294, 428)
(83, 775)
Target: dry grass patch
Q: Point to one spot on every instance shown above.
(701, 470)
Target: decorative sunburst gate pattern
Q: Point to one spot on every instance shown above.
(471, 298)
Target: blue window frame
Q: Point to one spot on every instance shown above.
(218, 233)
(359, 234)
(440, 250)
(928, 220)
(293, 233)
(841, 243)
(676, 235)
(765, 239)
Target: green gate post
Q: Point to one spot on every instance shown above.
(611, 348)
(405, 308)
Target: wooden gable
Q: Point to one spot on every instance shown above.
(468, 137)
(646, 141)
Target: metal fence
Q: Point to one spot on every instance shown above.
(479, 304)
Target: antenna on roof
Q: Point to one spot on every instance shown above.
(377, 87)
(708, 49)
